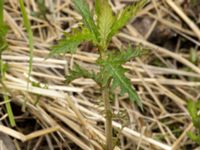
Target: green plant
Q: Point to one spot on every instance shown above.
(193, 109)
(30, 35)
(194, 56)
(100, 32)
(3, 29)
(3, 66)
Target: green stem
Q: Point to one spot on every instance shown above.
(2, 72)
(108, 112)
(9, 111)
(5, 96)
(108, 108)
(30, 35)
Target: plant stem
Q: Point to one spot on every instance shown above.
(107, 106)
(2, 70)
(108, 112)
(30, 36)
(1, 11)
(5, 95)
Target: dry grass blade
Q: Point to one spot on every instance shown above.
(189, 22)
(22, 137)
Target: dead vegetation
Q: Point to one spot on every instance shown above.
(52, 115)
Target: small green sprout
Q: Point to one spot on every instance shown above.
(194, 111)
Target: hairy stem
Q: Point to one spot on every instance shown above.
(107, 106)
(108, 112)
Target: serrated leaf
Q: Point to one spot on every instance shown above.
(120, 80)
(105, 20)
(79, 72)
(83, 8)
(71, 42)
(65, 46)
(111, 68)
(126, 55)
(125, 16)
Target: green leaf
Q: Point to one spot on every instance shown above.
(3, 42)
(120, 80)
(111, 68)
(83, 8)
(30, 35)
(193, 108)
(3, 30)
(67, 45)
(194, 137)
(105, 20)
(126, 55)
(125, 16)
(3, 45)
(3, 69)
(71, 42)
(194, 56)
(79, 72)
(97, 7)
(1, 12)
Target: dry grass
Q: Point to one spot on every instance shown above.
(73, 114)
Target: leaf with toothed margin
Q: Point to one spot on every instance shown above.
(71, 42)
(105, 20)
(83, 8)
(111, 68)
(124, 17)
(78, 72)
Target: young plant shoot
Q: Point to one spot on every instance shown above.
(193, 109)
(100, 32)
